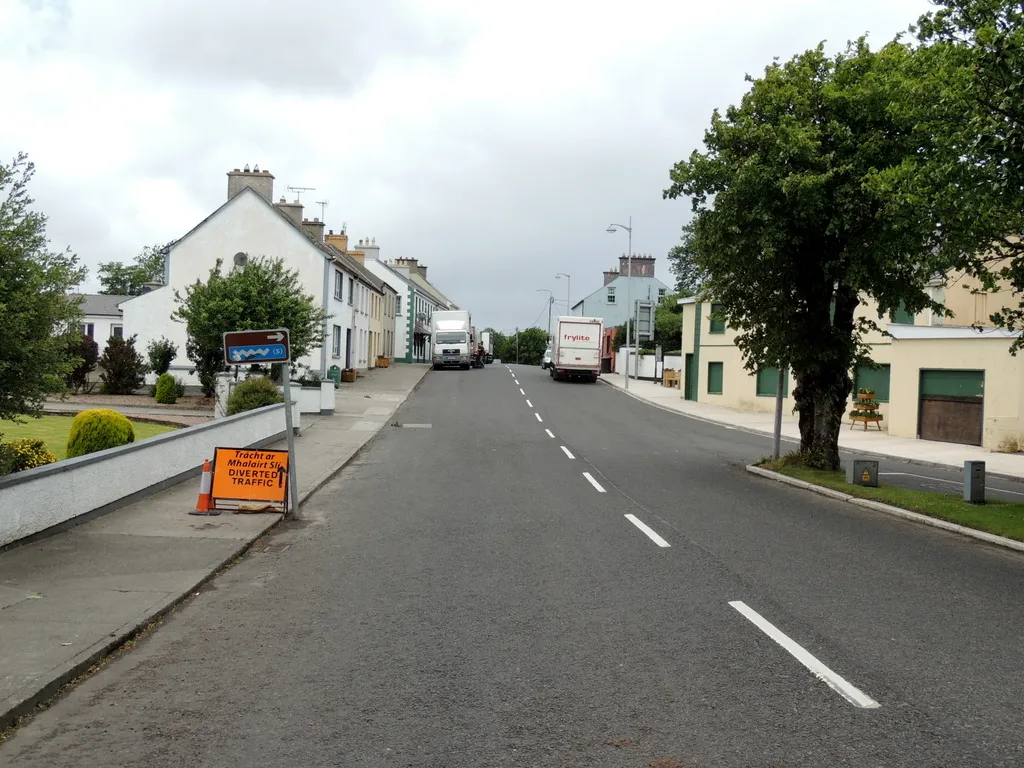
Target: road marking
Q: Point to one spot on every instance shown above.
(529, 404)
(594, 482)
(943, 480)
(539, 418)
(567, 452)
(834, 681)
(651, 533)
(550, 433)
(517, 382)
(521, 390)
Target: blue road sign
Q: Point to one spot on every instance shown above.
(247, 347)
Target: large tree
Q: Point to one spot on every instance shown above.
(261, 294)
(795, 219)
(120, 279)
(976, 173)
(39, 322)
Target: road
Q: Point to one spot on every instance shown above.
(556, 574)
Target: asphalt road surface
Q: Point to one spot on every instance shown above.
(555, 574)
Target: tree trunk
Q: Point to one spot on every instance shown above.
(829, 407)
(804, 406)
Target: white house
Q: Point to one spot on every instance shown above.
(249, 225)
(101, 317)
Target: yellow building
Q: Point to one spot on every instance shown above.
(938, 378)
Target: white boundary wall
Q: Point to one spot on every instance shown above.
(39, 499)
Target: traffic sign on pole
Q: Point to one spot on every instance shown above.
(268, 346)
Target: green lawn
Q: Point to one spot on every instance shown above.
(1003, 518)
(53, 430)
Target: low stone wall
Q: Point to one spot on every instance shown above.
(74, 490)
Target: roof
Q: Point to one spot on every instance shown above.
(428, 288)
(623, 279)
(100, 304)
(353, 265)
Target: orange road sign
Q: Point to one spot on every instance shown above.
(242, 474)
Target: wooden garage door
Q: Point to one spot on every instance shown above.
(952, 406)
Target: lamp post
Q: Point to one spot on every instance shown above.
(629, 280)
(551, 300)
(568, 288)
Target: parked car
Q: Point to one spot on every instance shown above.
(547, 359)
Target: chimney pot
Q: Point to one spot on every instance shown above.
(246, 169)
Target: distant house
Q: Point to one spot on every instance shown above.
(102, 318)
(424, 298)
(249, 225)
(396, 290)
(611, 303)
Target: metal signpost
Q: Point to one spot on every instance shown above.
(267, 347)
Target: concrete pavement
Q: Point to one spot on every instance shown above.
(924, 452)
(67, 600)
(552, 575)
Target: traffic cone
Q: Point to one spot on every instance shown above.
(205, 504)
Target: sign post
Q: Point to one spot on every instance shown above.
(266, 347)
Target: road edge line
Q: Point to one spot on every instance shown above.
(889, 509)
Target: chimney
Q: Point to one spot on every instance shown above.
(610, 275)
(261, 181)
(371, 249)
(314, 229)
(292, 210)
(643, 265)
(422, 271)
(339, 241)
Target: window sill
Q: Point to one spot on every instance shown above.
(713, 393)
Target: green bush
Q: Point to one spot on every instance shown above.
(26, 453)
(166, 391)
(179, 386)
(97, 430)
(161, 353)
(253, 393)
(124, 370)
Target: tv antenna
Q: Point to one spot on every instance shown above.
(299, 190)
(323, 204)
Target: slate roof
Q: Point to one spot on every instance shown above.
(100, 304)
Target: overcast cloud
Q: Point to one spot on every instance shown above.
(493, 142)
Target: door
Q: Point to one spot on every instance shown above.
(952, 406)
(348, 347)
(690, 378)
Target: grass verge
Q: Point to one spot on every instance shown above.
(1002, 518)
(53, 430)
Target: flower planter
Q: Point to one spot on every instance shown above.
(383, 362)
(348, 375)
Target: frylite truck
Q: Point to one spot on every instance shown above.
(576, 348)
(485, 339)
(451, 339)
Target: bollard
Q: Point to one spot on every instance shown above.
(974, 482)
(862, 472)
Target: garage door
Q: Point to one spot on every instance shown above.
(952, 406)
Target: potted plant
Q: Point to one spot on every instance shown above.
(348, 375)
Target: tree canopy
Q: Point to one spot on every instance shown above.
(119, 279)
(39, 321)
(796, 219)
(261, 294)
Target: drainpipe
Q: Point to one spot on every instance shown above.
(327, 299)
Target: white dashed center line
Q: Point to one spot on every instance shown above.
(521, 391)
(529, 404)
(651, 533)
(550, 433)
(539, 418)
(594, 482)
(834, 681)
(567, 452)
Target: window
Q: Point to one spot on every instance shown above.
(336, 342)
(398, 305)
(901, 316)
(662, 292)
(86, 329)
(877, 379)
(351, 290)
(717, 321)
(768, 383)
(611, 295)
(117, 331)
(715, 373)
(339, 285)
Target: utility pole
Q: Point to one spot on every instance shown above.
(777, 442)
(629, 281)
(551, 302)
(517, 345)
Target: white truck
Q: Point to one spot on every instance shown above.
(451, 339)
(576, 348)
(485, 339)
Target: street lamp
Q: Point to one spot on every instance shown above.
(551, 300)
(568, 288)
(629, 280)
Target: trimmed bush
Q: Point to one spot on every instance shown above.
(166, 390)
(26, 453)
(124, 370)
(253, 393)
(97, 430)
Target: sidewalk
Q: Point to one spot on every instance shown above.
(68, 600)
(881, 444)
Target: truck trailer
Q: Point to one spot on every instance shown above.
(486, 340)
(576, 348)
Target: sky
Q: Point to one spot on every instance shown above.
(495, 142)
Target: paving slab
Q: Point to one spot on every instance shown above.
(69, 599)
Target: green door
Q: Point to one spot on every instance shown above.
(690, 378)
(951, 406)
